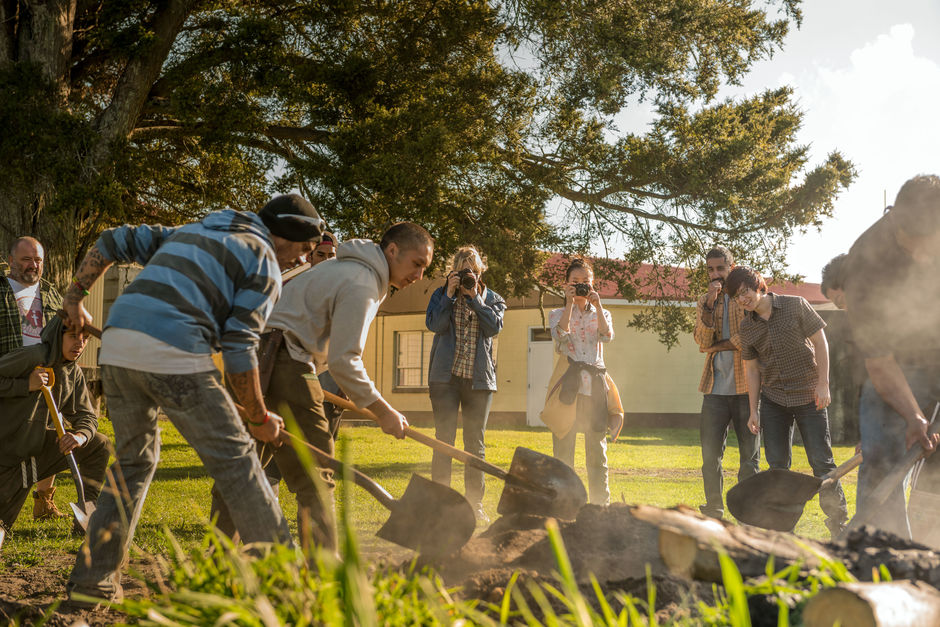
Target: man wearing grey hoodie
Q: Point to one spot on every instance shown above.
(323, 316)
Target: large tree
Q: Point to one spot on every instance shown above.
(471, 117)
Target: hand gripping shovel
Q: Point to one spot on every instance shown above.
(82, 509)
(429, 518)
(864, 513)
(535, 484)
(774, 499)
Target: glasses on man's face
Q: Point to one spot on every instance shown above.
(743, 293)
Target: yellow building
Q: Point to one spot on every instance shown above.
(657, 387)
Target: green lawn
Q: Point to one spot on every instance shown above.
(655, 466)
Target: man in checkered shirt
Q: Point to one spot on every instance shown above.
(786, 361)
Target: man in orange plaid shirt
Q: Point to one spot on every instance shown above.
(723, 383)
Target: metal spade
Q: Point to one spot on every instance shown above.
(774, 499)
(535, 484)
(82, 509)
(429, 518)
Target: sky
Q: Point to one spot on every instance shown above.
(866, 74)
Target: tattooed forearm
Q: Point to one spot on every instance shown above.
(93, 266)
(247, 388)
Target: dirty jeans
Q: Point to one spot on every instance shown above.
(446, 400)
(718, 413)
(202, 411)
(595, 450)
(92, 460)
(777, 427)
(294, 396)
(882, 433)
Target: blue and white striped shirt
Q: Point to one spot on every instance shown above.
(206, 286)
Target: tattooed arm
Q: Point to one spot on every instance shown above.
(93, 266)
(262, 424)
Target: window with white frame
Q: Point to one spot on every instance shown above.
(412, 356)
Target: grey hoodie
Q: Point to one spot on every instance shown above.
(325, 314)
(25, 415)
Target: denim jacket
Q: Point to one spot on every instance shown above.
(489, 308)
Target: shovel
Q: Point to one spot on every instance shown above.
(774, 499)
(82, 509)
(535, 484)
(429, 518)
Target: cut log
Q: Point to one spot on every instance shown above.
(690, 543)
(892, 604)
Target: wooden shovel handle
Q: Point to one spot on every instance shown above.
(894, 477)
(434, 443)
(837, 473)
(364, 482)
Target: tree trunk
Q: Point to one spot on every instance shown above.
(689, 544)
(892, 604)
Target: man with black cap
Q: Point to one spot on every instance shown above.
(206, 287)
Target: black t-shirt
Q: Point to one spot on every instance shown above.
(893, 302)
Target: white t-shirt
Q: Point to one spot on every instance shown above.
(29, 302)
(138, 351)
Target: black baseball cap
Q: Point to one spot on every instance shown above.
(292, 217)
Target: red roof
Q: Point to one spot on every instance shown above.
(673, 282)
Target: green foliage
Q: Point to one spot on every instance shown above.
(473, 118)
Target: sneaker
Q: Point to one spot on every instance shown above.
(480, 515)
(614, 425)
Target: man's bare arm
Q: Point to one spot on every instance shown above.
(92, 266)
(263, 424)
(891, 384)
(722, 345)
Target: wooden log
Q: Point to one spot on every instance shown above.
(690, 543)
(891, 604)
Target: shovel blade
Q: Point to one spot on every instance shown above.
(568, 493)
(429, 518)
(772, 499)
(82, 513)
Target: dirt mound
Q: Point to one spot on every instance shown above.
(604, 541)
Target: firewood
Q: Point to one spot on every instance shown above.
(892, 604)
(690, 543)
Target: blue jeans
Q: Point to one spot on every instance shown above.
(882, 433)
(718, 413)
(202, 411)
(777, 425)
(446, 400)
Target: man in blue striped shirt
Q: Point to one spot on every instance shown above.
(206, 287)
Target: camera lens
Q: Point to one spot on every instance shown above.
(467, 280)
(582, 289)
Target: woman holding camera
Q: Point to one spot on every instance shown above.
(580, 393)
(465, 316)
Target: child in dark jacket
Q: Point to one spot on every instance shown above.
(30, 449)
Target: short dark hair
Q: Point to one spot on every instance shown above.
(916, 209)
(578, 263)
(744, 276)
(720, 252)
(407, 235)
(832, 273)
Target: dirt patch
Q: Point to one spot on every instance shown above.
(28, 593)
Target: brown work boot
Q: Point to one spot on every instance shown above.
(43, 505)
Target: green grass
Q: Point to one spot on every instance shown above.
(654, 466)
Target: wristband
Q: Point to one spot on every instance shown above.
(79, 286)
(267, 417)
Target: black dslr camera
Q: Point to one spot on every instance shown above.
(582, 289)
(468, 280)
